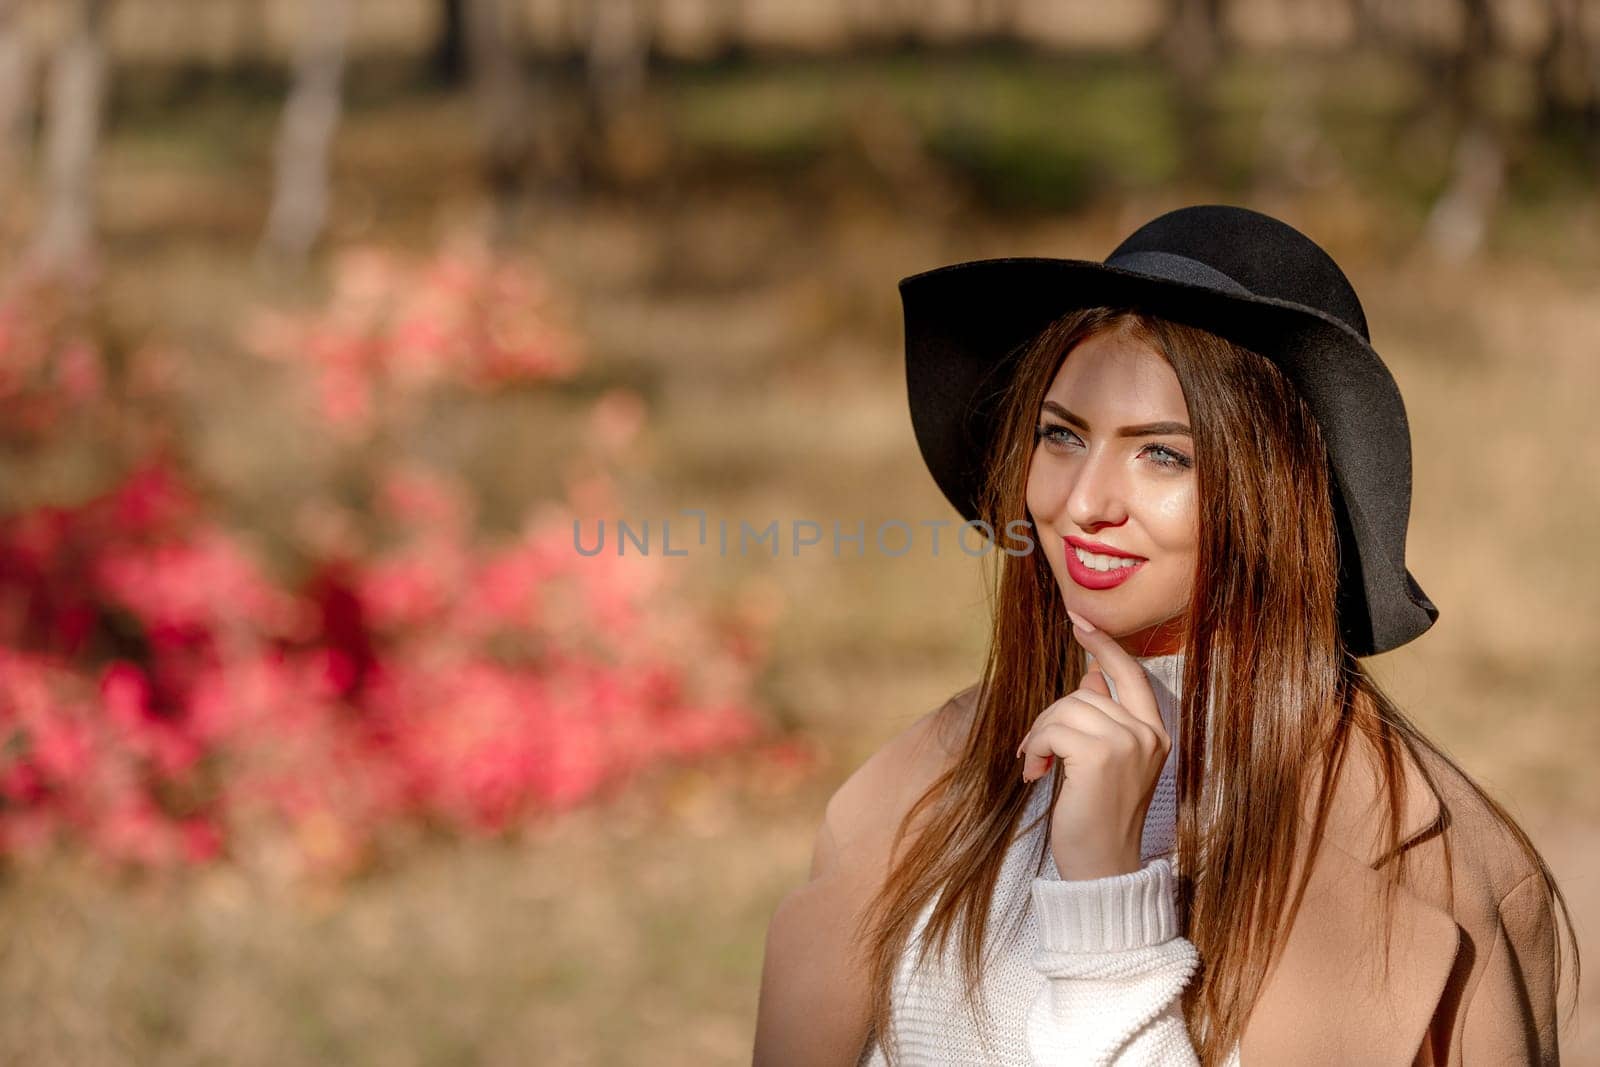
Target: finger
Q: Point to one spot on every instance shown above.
(1036, 757)
(1036, 749)
(1133, 688)
(1095, 681)
(1087, 710)
(1087, 715)
(1043, 745)
(1113, 707)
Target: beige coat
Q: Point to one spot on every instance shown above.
(1471, 985)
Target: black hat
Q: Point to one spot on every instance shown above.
(1239, 274)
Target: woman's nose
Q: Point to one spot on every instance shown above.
(1097, 496)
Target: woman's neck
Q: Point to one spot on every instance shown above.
(1162, 639)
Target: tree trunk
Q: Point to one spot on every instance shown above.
(449, 63)
(249, 51)
(728, 18)
(503, 108)
(65, 240)
(1460, 218)
(310, 119)
(993, 21)
(1367, 26)
(1195, 37)
(618, 55)
(16, 94)
(1193, 42)
(1567, 70)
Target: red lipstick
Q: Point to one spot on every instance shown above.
(1099, 547)
(1090, 578)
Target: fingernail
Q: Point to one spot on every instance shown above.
(1080, 622)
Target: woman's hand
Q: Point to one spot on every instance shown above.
(1111, 751)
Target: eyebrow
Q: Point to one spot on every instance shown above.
(1148, 429)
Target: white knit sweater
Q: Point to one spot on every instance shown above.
(1096, 970)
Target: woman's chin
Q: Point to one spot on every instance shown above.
(1138, 633)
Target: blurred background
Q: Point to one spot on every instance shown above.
(323, 323)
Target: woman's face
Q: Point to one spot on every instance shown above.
(1103, 471)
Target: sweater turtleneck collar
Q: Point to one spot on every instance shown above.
(1166, 680)
(1166, 669)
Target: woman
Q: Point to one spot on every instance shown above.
(1214, 466)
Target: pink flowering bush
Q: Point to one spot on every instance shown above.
(165, 699)
(50, 366)
(395, 330)
(108, 613)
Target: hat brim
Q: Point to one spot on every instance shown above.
(966, 326)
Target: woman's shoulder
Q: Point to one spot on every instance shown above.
(814, 986)
(1483, 847)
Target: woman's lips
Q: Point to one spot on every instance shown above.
(1090, 578)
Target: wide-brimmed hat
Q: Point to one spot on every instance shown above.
(1237, 273)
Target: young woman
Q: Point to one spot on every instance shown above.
(1175, 821)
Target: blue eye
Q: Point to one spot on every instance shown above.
(1176, 460)
(1045, 432)
(1056, 436)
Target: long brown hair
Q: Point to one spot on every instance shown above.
(1263, 630)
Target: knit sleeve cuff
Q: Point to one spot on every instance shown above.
(1111, 914)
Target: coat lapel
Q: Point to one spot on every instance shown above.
(1326, 1000)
